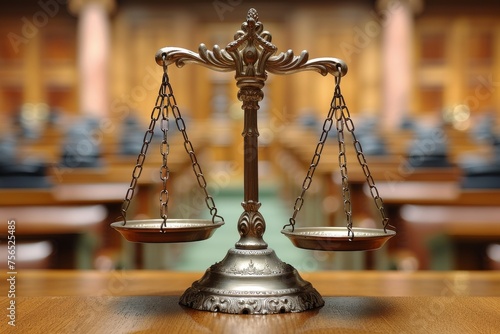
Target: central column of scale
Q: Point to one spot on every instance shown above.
(251, 279)
(251, 225)
(250, 54)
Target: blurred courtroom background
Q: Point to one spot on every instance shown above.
(78, 81)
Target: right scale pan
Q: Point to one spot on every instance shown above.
(338, 239)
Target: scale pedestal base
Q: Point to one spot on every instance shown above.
(251, 282)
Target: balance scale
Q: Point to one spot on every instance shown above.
(251, 279)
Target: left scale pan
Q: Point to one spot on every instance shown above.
(175, 230)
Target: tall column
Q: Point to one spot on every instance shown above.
(496, 75)
(93, 54)
(397, 57)
(33, 85)
(456, 65)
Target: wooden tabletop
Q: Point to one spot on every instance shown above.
(329, 283)
(355, 302)
(154, 314)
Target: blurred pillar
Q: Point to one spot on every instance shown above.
(93, 53)
(496, 74)
(397, 17)
(33, 91)
(370, 79)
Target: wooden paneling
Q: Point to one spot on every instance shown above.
(455, 58)
(40, 63)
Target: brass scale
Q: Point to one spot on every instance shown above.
(251, 279)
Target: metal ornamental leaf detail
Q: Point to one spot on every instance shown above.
(200, 300)
(288, 63)
(251, 54)
(218, 59)
(251, 269)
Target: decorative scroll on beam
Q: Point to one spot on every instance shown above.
(220, 60)
(228, 59)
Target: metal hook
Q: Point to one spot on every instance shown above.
(164, 63)
(292, 224)
(163, 225)
(339, 77)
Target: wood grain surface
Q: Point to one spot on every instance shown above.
(65, 301)
(162, 314)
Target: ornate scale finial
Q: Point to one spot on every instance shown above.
(251, 59)
(252, 14)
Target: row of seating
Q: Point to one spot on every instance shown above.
(63, 210)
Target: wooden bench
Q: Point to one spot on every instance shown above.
(446, 237)
(446, 196)
(64, 230)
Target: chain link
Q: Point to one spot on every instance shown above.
(379, 203)
(188, 146)
(164, 170)
(339, 111)
(166, 102)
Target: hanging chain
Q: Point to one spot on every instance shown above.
(343, 120)
(164, 151)
(299, 202)
(148, 137)
(339, 111)
(379, 203)
(188, 146)
(165, 102)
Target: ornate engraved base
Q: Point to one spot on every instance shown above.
(251, 282)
